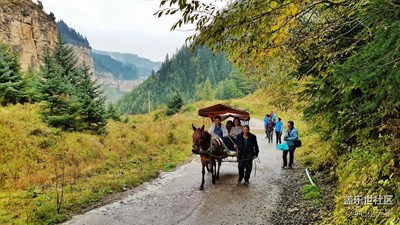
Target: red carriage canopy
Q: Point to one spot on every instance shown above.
(224, 111)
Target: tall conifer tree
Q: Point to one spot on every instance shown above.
(11, 83)
(72, 101)
(93, 115)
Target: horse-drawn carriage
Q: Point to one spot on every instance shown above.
(226, 112)
(212, 149)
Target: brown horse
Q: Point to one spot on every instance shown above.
(210, 152)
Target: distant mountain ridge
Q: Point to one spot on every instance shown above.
(104, 65)
(193, 75)
(144, 66)
(71, 36)
(116, 72)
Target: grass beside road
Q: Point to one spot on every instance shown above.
(39, 163)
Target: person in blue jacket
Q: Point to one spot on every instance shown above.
(290, 136)
(266, 118)
(278, 131)
(247, 146)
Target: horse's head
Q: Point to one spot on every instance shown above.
(198, 138)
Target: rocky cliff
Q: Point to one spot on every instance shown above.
(27, 30)
(122, 85)
(84, 56)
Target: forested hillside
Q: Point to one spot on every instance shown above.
(70, 35)
(144, 66)
(105, 65)
(193, 75)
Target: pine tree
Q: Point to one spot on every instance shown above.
(112, 113)
(59, 108)
(174, 104)
(11, 83)
(72, 101)
(90, 97)
(228, 89)
(65, 57)
(30, 92)
(205, 91)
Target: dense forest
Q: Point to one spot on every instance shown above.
(70, 35)
(104, 64)
(339, 60)
(193, 75)
(143, 65)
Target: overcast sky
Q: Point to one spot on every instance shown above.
(120, 25)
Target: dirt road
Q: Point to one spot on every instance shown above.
(175, 198)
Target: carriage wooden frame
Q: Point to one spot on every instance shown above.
(225, 111)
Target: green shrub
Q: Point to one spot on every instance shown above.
(311, 192)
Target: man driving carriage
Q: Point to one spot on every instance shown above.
(248, 150)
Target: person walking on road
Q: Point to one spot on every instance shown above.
(278, 131)
(247, 151)
(270, 130)
(291, 135)
(266, 118)
(274, 117)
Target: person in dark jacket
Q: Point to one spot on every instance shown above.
(270, 130)
(246, 143)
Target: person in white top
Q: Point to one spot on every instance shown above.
(236, 129)
(218, 128)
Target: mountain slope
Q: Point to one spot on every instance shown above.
(194, 75)
(144, 66)
(71, 36)
(117, 72)
(104, 65)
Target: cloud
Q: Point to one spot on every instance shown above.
(121, 25)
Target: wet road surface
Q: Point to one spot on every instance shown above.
(175, 198)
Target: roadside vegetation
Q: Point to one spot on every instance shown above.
(47, 174)
(339, 60)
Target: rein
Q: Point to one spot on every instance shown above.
(210, 149)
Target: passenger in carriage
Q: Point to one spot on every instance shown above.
(236, 129)
(229, 140)
(233, 133)
(218, 128)
(229, 125)
(221, 131)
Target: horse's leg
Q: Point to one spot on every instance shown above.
(208, 167)
(213, 170)
(219, 166)
(203, 171)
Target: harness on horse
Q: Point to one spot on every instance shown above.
(221, 146)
